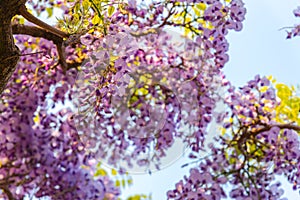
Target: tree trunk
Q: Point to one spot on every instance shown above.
(9, 53)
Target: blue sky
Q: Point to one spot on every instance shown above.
(260, 48)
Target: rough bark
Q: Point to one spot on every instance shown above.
(36, 32)
(9, 53)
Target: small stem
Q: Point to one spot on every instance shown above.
(18, 55)
(255, 185)
(8, 193)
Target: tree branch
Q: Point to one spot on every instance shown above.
(266, 127)
(23, 11)
(280, 126)
(43, 33)
(36, 32)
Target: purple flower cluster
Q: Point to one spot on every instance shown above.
(296, 29)
(133, 106)
(40, 147)
(253, 149)
(140, 94)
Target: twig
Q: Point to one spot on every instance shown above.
(18, 55)
(8, 193)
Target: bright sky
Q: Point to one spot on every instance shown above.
(259, 49)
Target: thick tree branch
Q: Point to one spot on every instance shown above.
(280, 126)
(36, 32)
(23, 11)
(256, 131)
(42, 33)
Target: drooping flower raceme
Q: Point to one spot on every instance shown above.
(251, 151)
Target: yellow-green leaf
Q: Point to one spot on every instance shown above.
(86, 4)
(110, 10)
(201, 6)
(96, 20)
(129, 181)
(114, 172)
(22, 20)
(49, 11)
(118, 183)
(283, 91)
(36, 119)
(100, 172)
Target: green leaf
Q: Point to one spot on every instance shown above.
(114, 172)
(96, 20)
(232, 160)
(49, 11)
(86, 4)
(22, 20)
(283, 91)
(196, 10)
(129, 181)
(138, 197)
(110, 10)
(77, 8)
(201, 6)
(100, 172)
(118, 183)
